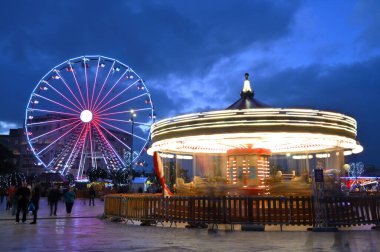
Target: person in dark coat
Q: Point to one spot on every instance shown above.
(92, 194)
(23, 195)
(35, 201)
(53, 198)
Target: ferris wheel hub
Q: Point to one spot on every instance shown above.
(86, 116)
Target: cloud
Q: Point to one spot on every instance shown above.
(6, 126)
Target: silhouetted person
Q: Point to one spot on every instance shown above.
(69, 200)
(13, 199)
(53, 198)
(35, 201)
(23, 195)
(91, 194)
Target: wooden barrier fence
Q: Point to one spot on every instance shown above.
(263, 210)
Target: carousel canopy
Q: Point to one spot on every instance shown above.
(247, 122)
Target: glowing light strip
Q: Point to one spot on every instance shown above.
(67, 132)
(123, 112)
(91, 148)
(184, 157)
(108, 143)
(163, 155)
(322, 155)
(255, 123)
(70, 90)
(114, 137)
(303, 157)
(276, 142)
(120, 103)
(58, 103)
(76, 81)
(109, 91)
(82, 159)
(74, 148)
(120, 93)
(256, 112)
(94, 85)
(101, 89)
(52, 131)
(127, 132)
(52, 111)
(119, 120)
(47, 122)
(85, 76)
(67, 99)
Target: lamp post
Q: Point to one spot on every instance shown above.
(133, 115)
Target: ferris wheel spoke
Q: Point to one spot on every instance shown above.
(85, 76)
(75, 147)
(91, 147)
(94, 85)
(110, 153)
(55, 102)
(121, 103)
(53, 112)
(125, 121)
(110, 133)
(108, 143)
(123, 112)
(60, 157)
(56, 140)
(47, 122)
(81, 165)
(70, 90)
(67, 99)
(110, 90)
(124, 131)
(52, 131)
(105, 81)
(113, 98)
(76, 82)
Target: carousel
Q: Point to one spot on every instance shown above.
(253, 149)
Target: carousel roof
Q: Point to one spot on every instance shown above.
(248, 122)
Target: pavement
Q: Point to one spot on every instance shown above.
(82, 231)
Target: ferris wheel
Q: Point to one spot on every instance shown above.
(89, 112)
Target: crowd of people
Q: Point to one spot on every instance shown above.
(26, 198)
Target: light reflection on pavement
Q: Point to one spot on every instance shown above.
(83, 232)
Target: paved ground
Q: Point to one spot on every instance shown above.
(83, 232)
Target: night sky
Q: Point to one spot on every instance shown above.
(193, 54)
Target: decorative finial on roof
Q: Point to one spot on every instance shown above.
(247, 84)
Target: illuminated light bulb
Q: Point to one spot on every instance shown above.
(86, 116)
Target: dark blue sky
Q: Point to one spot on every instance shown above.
(193, 54)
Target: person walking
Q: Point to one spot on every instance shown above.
(13, 199)
(91, 194)
(23, 195)
(2, 195)
(69, 200)
(53, 198)
(35, 201)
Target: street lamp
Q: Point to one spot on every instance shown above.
(133, 115)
